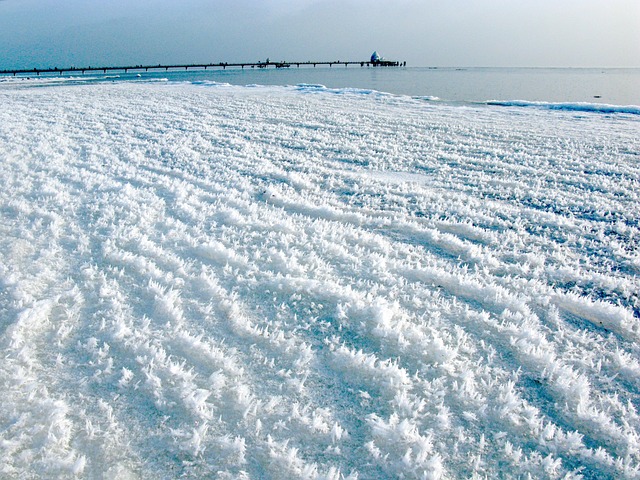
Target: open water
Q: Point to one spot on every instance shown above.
(615, 86)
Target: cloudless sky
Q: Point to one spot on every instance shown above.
(48, 33)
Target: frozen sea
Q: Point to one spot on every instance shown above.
(206, 277)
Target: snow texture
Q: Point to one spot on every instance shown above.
(208, 281)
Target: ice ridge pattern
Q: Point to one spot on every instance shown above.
(240, 282)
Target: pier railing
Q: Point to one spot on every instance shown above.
(202, 66)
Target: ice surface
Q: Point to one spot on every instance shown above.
(237, 282)
(576, 106)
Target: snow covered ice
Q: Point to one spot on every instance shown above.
(211, 281)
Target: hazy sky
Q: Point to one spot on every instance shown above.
(422, 32)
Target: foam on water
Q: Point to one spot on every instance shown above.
(245, 282)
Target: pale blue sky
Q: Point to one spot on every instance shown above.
(603, 33)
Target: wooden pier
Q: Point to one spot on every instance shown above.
(203, 66)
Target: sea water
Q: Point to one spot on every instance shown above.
(613, 86)
(617, 86)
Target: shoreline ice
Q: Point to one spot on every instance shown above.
(570, 106)
(245, 282)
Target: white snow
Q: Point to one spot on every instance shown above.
(297, 282)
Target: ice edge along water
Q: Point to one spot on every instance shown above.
(282, 282)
